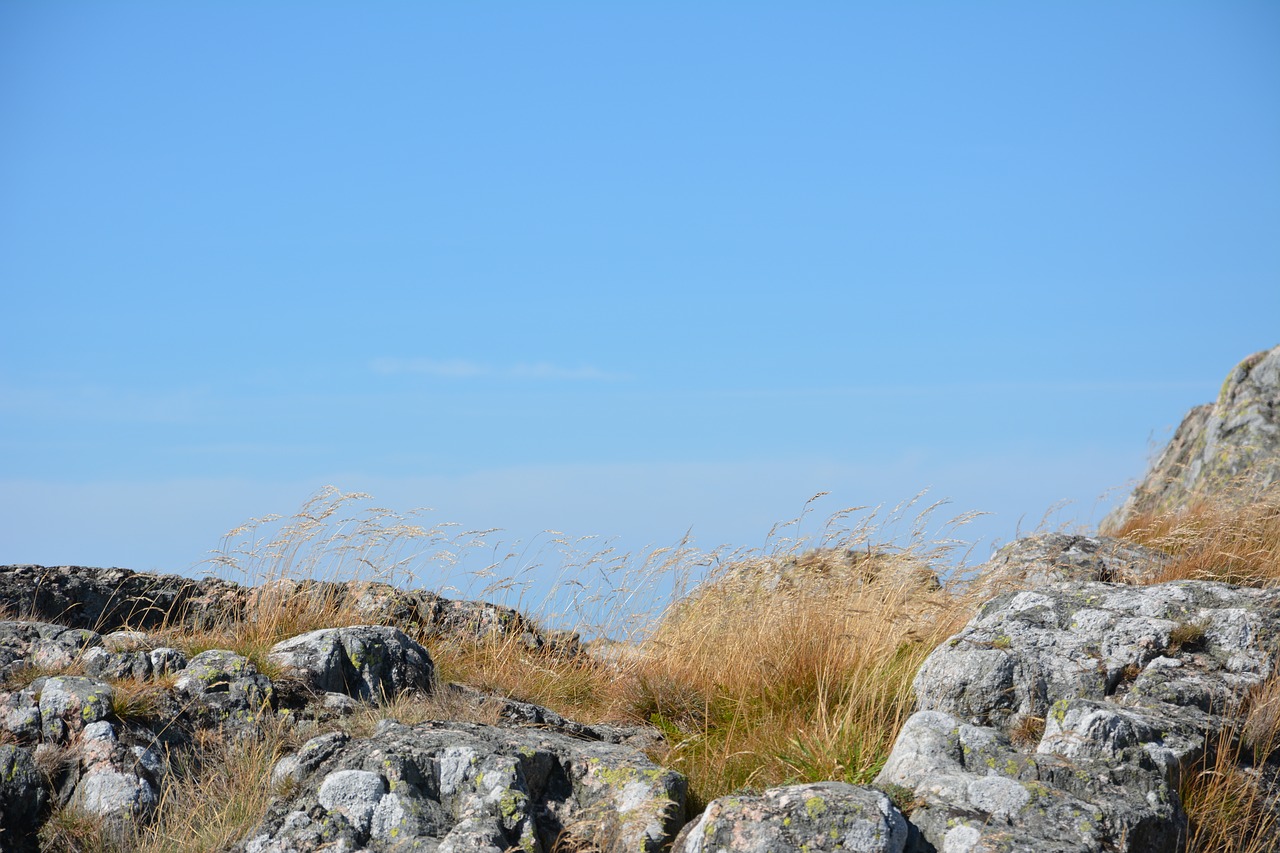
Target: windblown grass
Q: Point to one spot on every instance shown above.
(1232, 536)
(755, 686)
(1231, 796)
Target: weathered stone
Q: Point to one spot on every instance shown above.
(112, 599)
(816, 817)
(68, 703)
(1044, 558)
(1062, 718)
(165, 660)
(460, 786)
(20, 715)
(42, 645)
(100, 663)
(369, 662)
(115, 782)
(1232, 443)
(223, 687)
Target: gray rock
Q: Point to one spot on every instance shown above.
(815, 817)
(20, 715)
(114, 781)
(109, 600)
(68, 703)
(112, 599)
(23, 799)
(223, 687)
(1062, 718)
(460, 786)
(369, 662)
(165, 660)
(101, 663)
(1044, 558)
(41, 644)
(1217, 445)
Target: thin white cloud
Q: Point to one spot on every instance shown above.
(457, 368)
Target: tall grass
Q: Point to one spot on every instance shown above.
(755, 686)
(1231, 536)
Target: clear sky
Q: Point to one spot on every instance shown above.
(617, 269)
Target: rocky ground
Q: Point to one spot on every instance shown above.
(1063, 717)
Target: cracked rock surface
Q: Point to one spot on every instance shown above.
(1062, 718)
(461, 786)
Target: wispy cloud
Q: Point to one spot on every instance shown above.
(456, 368)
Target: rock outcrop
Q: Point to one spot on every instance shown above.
(1233, 442)
(458, 786)
(1043, 558)
(107, 600)
(1063, 718)
(98, 737)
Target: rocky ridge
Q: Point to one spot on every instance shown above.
(1063, 717)
(1231, 443)
(1060, 718)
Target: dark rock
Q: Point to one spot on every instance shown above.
(111, 599)
(108, 600)
(23, 799)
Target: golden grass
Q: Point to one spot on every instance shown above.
(219, 790)
(755, 687)
(1230, 803)
(1233, 537)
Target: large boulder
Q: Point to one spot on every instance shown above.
(368, 662)
(1062, 718)
(460, 786)
(1233, 443)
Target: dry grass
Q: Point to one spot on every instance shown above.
(579, 687)
(1232, 537)
(755, 687)
(1230, 797)
(216, 792)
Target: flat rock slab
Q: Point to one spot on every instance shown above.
(825, 816)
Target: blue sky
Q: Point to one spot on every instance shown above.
(616, 269)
